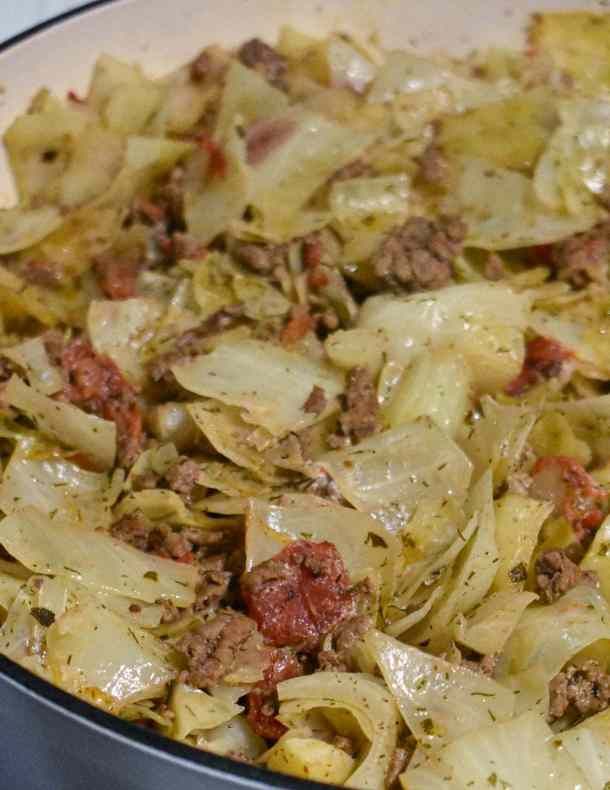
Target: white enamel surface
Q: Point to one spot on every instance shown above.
(161, 34)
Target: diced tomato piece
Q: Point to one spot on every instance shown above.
(262, 700)
(217, 166)
(574, 492)
(544, 358)
(264, 137)
(312, 253)
(541, 255)
(95, 384)
(299, 324)
(317, 278)
(299, 595)
(73, 96)
(117, 278)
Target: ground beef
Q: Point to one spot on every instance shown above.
(582, 691)
(39, 271)
(398, 764)
(132, 529)
(261, 258)
(214, 585)
(264, 137)
(186, 247)
(219, 647)
(200, 67)
(257, 55)
(325, 487)
(117, 276)
(433, 166)
(316, 401)
(321, 248)
(483, 665)
(183, 476)
(544, 359)
(54, 343)
(192, 342)
(359, 168)
(495, 269)
(95, 384)
(170, 196)
(209, 66)
(159, 539)
(262, 700)
(556, 574)
(300, 595)
(583, 259)
(574, 493)
(346, 745)
(345, 638)
(419, 255)
(360, 409)
(299, 324)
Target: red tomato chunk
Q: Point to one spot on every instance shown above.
(574, 492)
(544, 359)
(96, 385)
(300, 595)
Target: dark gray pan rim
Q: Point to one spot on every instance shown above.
(205, 763)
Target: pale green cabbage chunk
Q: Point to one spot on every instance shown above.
(269, 383)
(212, 204)
(406, 73)
(58, 487)
(361, 695)
(576, 164)
(247, 95)
(235, 737)
(356, 199)
(501, 211)
(120, 330)
(436, 385)
(489, 626)
(389, 474)
(233, 438)
(65, 423)
(94, 559)
(484, 322)
(597, 558)
(285, 180)
(472, 575)
(498, 437)
(197, 710)
(520, 753)
(23, 227)
(32, 358)
(439, 701)
(90, 649)
(589, 746)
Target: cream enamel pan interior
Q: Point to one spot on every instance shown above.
(49, 741)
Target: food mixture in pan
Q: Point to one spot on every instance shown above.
(304, 411)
